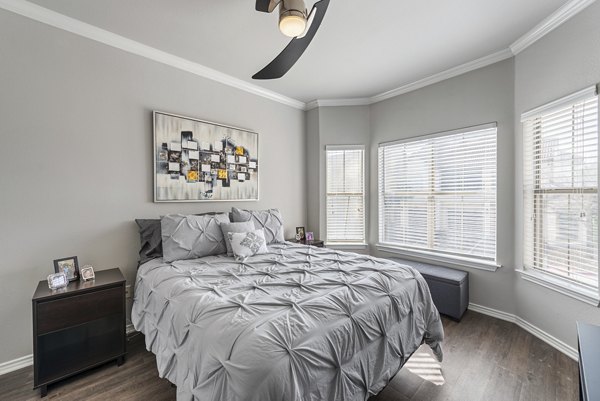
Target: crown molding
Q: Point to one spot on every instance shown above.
(358, 101)
(552, 22)
(72, 25)
(447, 74)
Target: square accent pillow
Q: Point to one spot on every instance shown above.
(269, 220)
(242, 227)
(191, 237)
(150, 239)
(248, 244)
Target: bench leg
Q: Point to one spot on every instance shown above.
(43, 391)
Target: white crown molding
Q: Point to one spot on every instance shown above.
(358, 101)
(530, 328)
(60, 21)
(442, 76)
(16, 364)
(552, 22)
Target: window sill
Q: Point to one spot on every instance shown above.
(572, 290)
(451, 261)
(346, 246)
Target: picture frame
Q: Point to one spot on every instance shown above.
(69, 266)
(300, 234)
(57, 281)
(188, 154)
(310, 236)
(87, 273)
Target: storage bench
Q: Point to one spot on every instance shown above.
(449, 287)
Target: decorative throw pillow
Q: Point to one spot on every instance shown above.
(150, 239)
(242, 227)
(269, 220)
(248, 244)
(191, 237)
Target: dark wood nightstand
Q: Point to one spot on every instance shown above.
(77, 327)
(316, 242)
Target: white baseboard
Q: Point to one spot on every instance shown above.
(16, 364)
(528, 327)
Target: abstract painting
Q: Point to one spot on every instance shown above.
(197, 160)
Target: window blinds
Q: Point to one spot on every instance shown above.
(438, 193)
(561, 188)
(345, 195)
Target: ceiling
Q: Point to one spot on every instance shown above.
(362, 49)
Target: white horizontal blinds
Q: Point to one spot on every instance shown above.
(439, 193)
(561, 191)
(345, 195)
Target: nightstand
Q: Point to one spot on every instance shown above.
(78, 327)
(316, 242)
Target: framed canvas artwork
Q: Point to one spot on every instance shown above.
(198, 161)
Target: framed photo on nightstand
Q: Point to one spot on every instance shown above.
(69, 266)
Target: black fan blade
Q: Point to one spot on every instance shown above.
(294, 50)
(263, 5)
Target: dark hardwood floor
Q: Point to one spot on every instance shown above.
(484, 359)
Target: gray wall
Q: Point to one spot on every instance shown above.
(347, 125)
(76, 154)
(482, 96)
(563, 62)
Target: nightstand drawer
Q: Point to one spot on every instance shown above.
(70, 311)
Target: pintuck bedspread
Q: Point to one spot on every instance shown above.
(297, 323)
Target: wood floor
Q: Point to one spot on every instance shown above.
(484, 359)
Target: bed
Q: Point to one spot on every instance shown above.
(297, 323)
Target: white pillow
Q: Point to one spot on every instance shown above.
(248, 243)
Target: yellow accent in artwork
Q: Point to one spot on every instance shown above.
(192, 175)
(222, 174)
(239, 150)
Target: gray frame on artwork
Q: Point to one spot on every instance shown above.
(155, 153)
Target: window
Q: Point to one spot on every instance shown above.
(560, 189)
(437, 194)
(345, 194)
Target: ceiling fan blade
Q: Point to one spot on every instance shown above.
(294, 50)
(263, 5)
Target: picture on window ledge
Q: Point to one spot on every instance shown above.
(300, 236)
(309, 236)
(69, 266)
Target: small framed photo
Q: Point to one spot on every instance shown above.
(310, 236)
(69, 266)
(87, 273)
(57, 281)
(300, 236)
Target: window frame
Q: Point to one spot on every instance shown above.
(564, 285)
(432, 255)
(349, 244)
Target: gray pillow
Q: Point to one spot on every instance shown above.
(191, 237)
(243, 227)
(270, 220)
(150, 239)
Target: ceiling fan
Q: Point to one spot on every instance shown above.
(295, 22)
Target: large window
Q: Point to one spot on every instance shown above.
(561, 188)
(437, 194)
(345, 194)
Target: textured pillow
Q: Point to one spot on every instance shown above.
(270, 220)
(248, 244)
(150, 239)
(191, 237)
(242, 227)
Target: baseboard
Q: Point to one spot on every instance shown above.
(16, 364)
(528, 327)
(129, 329)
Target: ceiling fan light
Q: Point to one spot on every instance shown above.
(292, 25)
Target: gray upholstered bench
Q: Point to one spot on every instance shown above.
(449, 287)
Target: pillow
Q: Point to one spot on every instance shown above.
(248, 244)
(150, 239)
(269, 220)
(191, 237)
(242, 227)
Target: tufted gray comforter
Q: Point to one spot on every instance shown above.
(298, 323)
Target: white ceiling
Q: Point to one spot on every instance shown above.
(362, 49)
